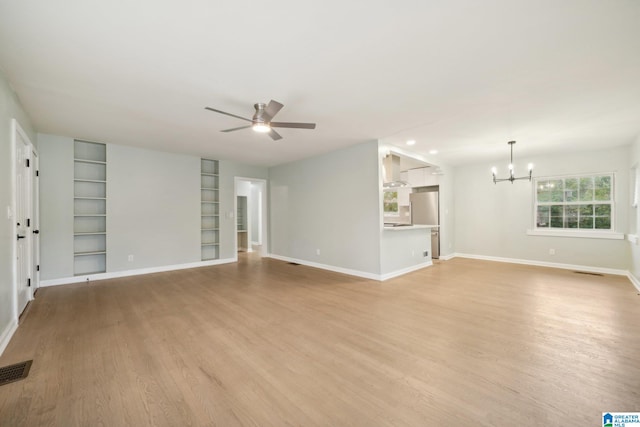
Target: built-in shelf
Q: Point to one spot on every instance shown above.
(90, 208)
(94, 162)
(209, 210)
(89, 253)
(90, 180)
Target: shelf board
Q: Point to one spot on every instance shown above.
(242, 231)
(90, 233)
(90, 253)
(210, 244)
(208, 189)
(90, 215)
(210, 215)
(90, 180)
(209, 174)
(95, 162)
(209, 229)
(209, 202)
(89, 198)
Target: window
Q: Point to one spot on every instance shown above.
(390, 202)
(578, 203)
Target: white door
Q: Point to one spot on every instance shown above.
(23, 226)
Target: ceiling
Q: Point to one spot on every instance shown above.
(462, 77)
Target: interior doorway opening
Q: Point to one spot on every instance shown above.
(251, 215)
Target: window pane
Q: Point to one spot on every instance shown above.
(542, 218)
(543, 193)
(586, 210)
(603, 210)
(556, 222)
(557, 190)
(603, 223)
(557, 210)
(586, 189)
(571, 189)
(571, 223)
(571, 211)
(586, 222)
(391, 207)
(602, 185)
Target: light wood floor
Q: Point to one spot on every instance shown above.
(266, 343)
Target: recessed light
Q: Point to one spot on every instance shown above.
(411, 142)
(433, 151)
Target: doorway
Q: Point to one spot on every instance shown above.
(26, 219)
(251, 215)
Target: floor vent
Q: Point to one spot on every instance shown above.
(293, 263)
(589, 273)
(11, 373)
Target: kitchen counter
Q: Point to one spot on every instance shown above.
(409, 227)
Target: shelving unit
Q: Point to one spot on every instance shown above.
(210, 210)
(241, 216)
(89, 208)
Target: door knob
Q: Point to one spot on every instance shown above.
(21, 237)
(36, 231)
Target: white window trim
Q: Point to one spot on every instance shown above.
(573, 233)
(570, 232)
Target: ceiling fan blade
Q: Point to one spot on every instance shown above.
(232, 129)
(274, 135)
(271, 110)
(293, 125)
(228, 114)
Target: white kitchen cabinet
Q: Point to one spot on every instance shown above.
(422, 177)
(403, 196)
(416, 177)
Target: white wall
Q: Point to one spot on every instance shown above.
(492, 219)
(56, 206)
(634, 215)
(153, 208)
(329, 203)
(10, 108)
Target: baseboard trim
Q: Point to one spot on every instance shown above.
(634, 280)
(587, 268)
(447, 257)
(404, 271)
(137, 272)
(335, 269)
(350, 272)
(6, 335)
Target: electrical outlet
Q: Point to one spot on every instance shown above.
(552, 251)
(130, 258)
(426, 253)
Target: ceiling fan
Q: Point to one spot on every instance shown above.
(261, 121)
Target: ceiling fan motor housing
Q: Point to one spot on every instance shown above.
(257, 117)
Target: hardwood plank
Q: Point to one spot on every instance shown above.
(262, 342)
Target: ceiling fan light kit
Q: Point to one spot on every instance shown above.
(512, 176)
(261, 121)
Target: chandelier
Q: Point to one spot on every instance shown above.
(512, 175)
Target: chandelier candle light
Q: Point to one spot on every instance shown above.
(512, 176)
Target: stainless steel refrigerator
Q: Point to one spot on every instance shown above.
(425, 210)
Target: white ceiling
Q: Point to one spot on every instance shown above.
(463, 77)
